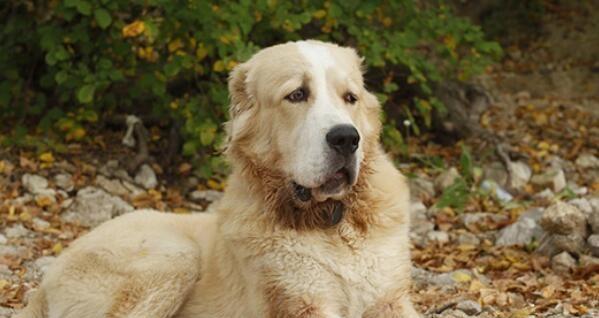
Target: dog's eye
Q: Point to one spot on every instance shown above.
(350, 98)
(298, 95)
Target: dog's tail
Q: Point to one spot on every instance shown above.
(36, 308)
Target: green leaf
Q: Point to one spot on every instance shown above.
(85, 94)
(84, 7)
(102, 18)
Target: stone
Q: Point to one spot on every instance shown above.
(469, 307)
(468, 239)
(520, 174)
(3, 239)
(40, 224)
(6, 312)
(34, 184)
(496, 190)
(481, 220)
(109, 168)
(522, 232)
(563, 262)
(423, 277)
(135, 190)
(583, 205)
(496, 172)
(563, 218)
(587, 160)
(17, 231)
(545, 195)
(93, 206)
(64, 181)
(111, 186)
(421, 189)
(588, 261)
(593, 217)
(146, 177)
(437, 237)
(554, 177)
(593, 242)
(446, 179)
(205, 195)
(557, 243)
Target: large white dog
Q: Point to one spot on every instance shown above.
(314, 222)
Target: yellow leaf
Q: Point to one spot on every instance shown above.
(231, 64)
(25, 216)
(213, 184)
(461, 277)
(47, 157)
(76, 134)
(201, 52)
(134, 29)
(43, 201)
(218, 66)
(175, 45)
(181, 210)
(57, 248)
(319, 14)
(3, 283)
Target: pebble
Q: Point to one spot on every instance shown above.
(146, 177)
(593, 242)
(16, 231)
(587, 160)
(469, 307)
(421, 189)
(556, 243)
(520, 174)
(522, 232)
(563, 262)
(64, 181)
(496, 172)
(468, 239)
(3, 239)
(111, 186)
(34, 184)
(438, 237)
(93, 206)
(481, 220)
(563, 218)
(583, 205)
(40, 224)
(205, 195)
(496, 190)
(446, 179)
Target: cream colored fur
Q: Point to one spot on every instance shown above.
(236, 261)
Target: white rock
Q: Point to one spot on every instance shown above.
(446, 179)
(587, 160)
(64, 181)
(469, 307)
(557, 243)
(468, 239)
(553, 177)
(593, 242)
(44, 262)
(109, 168)
(546, 195)
(3, 239)
(16, 231)
(133, 189)
(496, 172)
(522, 232)
(438, 237)
(146, 177)
(563, 218)
(111, 186)
(583, 205)
(93, 206)
(480, 219)
(559, 181)
(563, 262)
(40, 224)
(496, 190)
(520, 174)
(588, 261)
(205, 195)
(34, 184)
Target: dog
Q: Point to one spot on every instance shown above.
(314, 221)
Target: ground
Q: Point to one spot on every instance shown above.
(487, 241)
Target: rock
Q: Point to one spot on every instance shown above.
(593, 242)
(146, 177)
(418, 221)
(563, 218)
(593, 217)
(559, 181)
(421, 189)
(64, 181)
(423, 277)
(563, 262)
(588, 261)
(110, 168)
(437, 237)
(522, 232)
(43, 263)
(205, 195)
(469, 307)
(468, 239)
(135, 190)
(557, 243)
(520, 174)
(587, 160)
(40, 224)
(34, 184)
(446, 179)
(583, 205)
(545, 195)
(496, 190)
(3, 239)
(16, 231)
(6, 312)
(111, 186)
(496, 172)
(93, 206)
(481, 220)
(553, 177)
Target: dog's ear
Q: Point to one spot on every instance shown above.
(241, 99)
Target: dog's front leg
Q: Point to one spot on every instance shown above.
(396, 304)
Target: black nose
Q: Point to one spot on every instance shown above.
(344, 139)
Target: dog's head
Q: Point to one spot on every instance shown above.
(300, 111)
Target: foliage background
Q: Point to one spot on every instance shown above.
(67, 64)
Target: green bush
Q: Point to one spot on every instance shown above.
(64, 62)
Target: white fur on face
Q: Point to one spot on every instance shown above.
(312, 157)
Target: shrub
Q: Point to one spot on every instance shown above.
(64, 62)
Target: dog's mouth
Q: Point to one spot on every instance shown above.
(334, 186)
